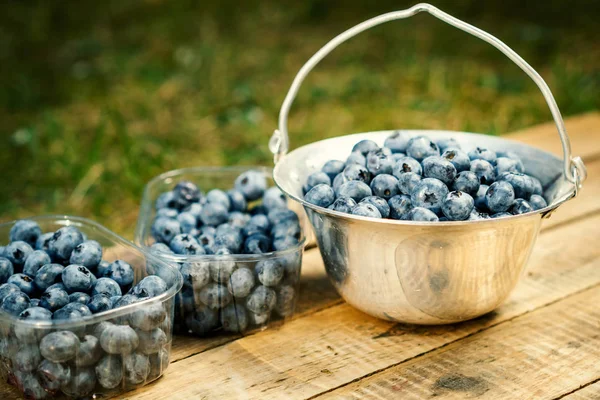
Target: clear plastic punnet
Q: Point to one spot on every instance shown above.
(227, 293)
(94, 356)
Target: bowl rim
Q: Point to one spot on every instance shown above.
(431, 132)
(147, 204)
(68, 220)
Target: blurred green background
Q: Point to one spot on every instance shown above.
(97, 97)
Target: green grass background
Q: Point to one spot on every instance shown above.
(97, 97)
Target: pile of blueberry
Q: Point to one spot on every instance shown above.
(220, 291)
(418, 179)
(61, 277)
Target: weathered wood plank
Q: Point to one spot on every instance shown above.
(542, 355)
(591, 392)
(333, 347)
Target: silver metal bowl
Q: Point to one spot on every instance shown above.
(424, 273)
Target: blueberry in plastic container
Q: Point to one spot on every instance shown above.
(89, 351)
(201, 320)
(136, 368)
(6, 269)
(23, 282)
(165, 229)
(26, 231)
(150, 286)
(17, 252)
(241, 282)
(59, 346)
(119, 339)
(252, 184)
(184, 193)
(27, 358)
(82, 383)
(234, 318)
(88, 254)
(261, 300)
(286, 297)
(106, 286)
(54, 299)
(149, 317)
(121, 272)
(64, 241)
(15, 303)
(48, 275)
(53, 375)
(109, 371)
(257, 243)
(77, 278)
(35, 261)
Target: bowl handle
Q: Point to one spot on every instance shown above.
(574, 169)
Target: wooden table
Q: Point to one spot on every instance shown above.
(543, 343)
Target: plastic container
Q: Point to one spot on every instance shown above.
(231, 313)
(22, 365)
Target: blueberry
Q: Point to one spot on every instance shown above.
(88, 254)
(54, 299)
(43, 241)
(279, 215)
(314, 179)
(343, 204)
(257, 243)
(201, 320)
(286, 300)
(89, 351)
(158, 363)
(429, 193)
(17, 252)
(422, 214)
(6, 289)
(321, 195)
(258, 319)
(150, 286)
(466, 181)
(522, 184)
(357, 158)
(25, 231)
(241, 282)
(231, 239)
(214, 214)
(77, 278)
(537, 202)
(8, 346)
(258, 224)
(151, 341)
(333, 167)
(258, 209)
(439, 168)
(407, 182)
(354, 172)
(406, 164)
(27, 358)
(69, 313)
(366, 210)
(103, 266)
(15, 303)
(99, 303)
(119, 339)
(156, 248)
(261, 300)
(59, 346)
(165, 229)
(484, 171)
(121, 272)
(30, 334)
(457, 206)
(237, 200)
(114, 300)
(35, 261)
(106, 286)
(187, 222)
(269, 272)
(48, 275)
(234, 318)
(480, 202)
(184, 193)
(357, 190)
(338, 181)
(378, 162)
(238, 220)
(166, 200)
(149, 317)
(400, 205)
(379, 203)
(397, 142)
(499, 197)
(445, 144)
(34, 302)
(82, 382)
(23, 282)
(78, 307)
(64, 241)
(505, 164)
(31, 387)
(128, 299)
(385, 186)
(478, 215)
(171, 213)
(365, 146)
(53, 375)
(109, 371)
(181, 241)
(421, 147)
(285, 243)
(480, 153)
(252, 184)
(136, 368)
(215, 296)
(520, 206)
(35, 314)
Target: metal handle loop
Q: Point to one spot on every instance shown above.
(573, 169)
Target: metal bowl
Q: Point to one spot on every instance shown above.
(424, 273)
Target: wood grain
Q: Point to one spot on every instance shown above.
(539, 356)
(590, 392)
(338, 345)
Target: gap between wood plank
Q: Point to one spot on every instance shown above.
(562, 396)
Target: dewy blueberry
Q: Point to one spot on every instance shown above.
(378, 162)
